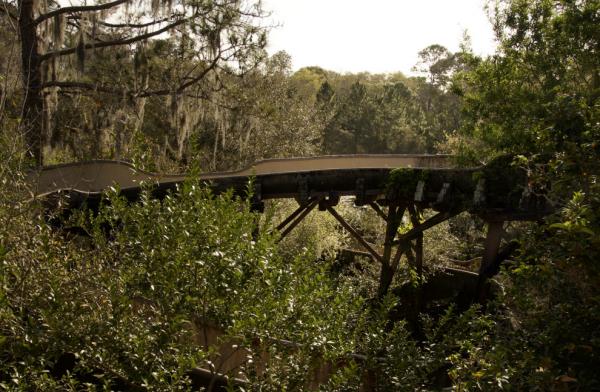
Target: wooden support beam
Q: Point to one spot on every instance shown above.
(419, 254)
(492, 245)
(309, 208)
(490, 252)
(394, 216)
(389, 270)
(355, 234)
(428, 224)
(378, 210)
(292, 216)
(389, 266)
(410, 257)
(414, 218)
(399, 252)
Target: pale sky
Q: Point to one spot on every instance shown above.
(373, 35)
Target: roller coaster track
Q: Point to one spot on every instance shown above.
(396, 183)
(282, 175)
(367, 177)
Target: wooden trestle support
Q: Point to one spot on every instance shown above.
(396, 245)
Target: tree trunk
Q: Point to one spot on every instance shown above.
(33, 105)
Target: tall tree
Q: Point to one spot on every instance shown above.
(223, 35)
(326, 106)
(540, 92)
(437, 62)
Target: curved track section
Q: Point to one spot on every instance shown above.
(96, 176)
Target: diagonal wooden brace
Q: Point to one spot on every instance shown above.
(355, 234)
(414, 219)
(378, 210)
(293, 215)
(428, 224)
(301, 214)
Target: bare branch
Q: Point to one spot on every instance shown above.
(130, 25)
(4, 9)
(84, 8)
(185, 85)
(84, 86)
(116, 42)
(92, 88)
(140, 94)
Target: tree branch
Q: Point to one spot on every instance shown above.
(4, 9)
(141, 94)
(117, 42)
(185, 85)
(85, 8)
(130, 25)
(84, 86)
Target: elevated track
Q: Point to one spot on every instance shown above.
(392, 185)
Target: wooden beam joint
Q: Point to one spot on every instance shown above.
(296, 217)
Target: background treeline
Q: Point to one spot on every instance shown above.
(126, 104)
(123, 299)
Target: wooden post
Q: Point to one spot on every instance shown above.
(491, 246)
(490, 252)
(394, 216)
(414, 218)
(388, 267)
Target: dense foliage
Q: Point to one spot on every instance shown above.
(127, 300)
(538, 97)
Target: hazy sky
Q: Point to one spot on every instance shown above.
(374, 35)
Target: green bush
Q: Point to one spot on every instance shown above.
(122, 301)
